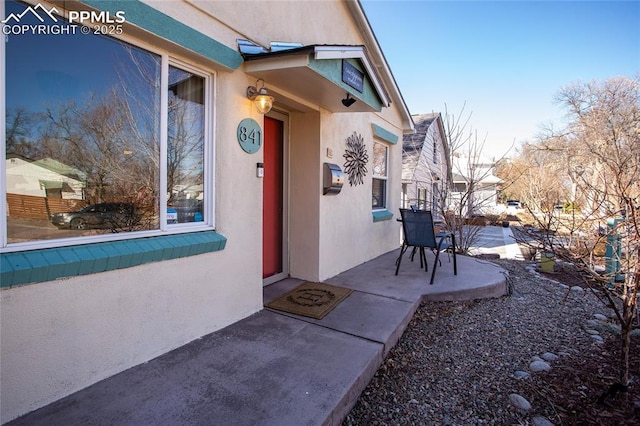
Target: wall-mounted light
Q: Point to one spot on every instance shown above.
(260, 97)
(348, 101)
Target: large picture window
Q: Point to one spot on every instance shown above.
(379, 184)
(95, 145)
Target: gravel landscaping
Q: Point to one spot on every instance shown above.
(544, 355)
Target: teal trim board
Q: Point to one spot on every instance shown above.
(331, 69)
(382, 215)
(49, 264)
(384, 134)
(156, 22)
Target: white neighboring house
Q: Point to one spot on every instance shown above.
(424, 163)
(474, 184)
(43, 178)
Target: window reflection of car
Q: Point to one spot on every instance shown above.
(188, 209)
(114, 216)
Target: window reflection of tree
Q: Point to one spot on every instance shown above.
(185, 151)
(112, 135)
(20, 124)
(91, 135)
(139, 78)
(379, 160)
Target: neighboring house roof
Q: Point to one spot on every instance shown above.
(31, 177)
(49, 164)
(412, 144)
(61, 168)
(490, 179)
(483, 170)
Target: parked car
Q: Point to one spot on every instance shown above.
(514, 204)
(112, 216)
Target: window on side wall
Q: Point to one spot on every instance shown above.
(422, 198)
(380, 164)
(95, 146)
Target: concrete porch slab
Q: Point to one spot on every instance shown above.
(369, 316)
(274, 368)
(268, 369)
(476, 279)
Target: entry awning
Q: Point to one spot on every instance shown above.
(55, 184)
(51, 184)
(322, 75)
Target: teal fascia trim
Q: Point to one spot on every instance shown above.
(49, 264)
(156, 22)
(384, 134)
(382, 215)
(331, 69)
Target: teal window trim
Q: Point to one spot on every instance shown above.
(26, 267)
(156, 22)
(384, 134)
(382, 215)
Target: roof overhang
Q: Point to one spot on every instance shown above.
(480, 180)
(318, 75)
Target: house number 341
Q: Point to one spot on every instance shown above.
(249, 135)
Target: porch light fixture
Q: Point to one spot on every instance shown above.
(260, 97)
(348, 101)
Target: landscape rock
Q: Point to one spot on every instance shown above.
(537, 366)
(461, 360)
(540, 421)
(519, 402)
(592, 323)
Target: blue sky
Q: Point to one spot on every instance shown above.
(505, 59)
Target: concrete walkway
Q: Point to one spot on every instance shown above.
(498, 240)
(274, 368)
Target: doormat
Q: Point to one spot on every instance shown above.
(313, 300)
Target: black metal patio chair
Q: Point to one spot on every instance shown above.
(419, 233)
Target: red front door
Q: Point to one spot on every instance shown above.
(272, 207)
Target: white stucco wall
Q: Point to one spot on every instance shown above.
(304, 195)
(332, 233)
(296, 21)
(61, 336)
(348, 235)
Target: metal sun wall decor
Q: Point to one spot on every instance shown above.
(357, 158)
